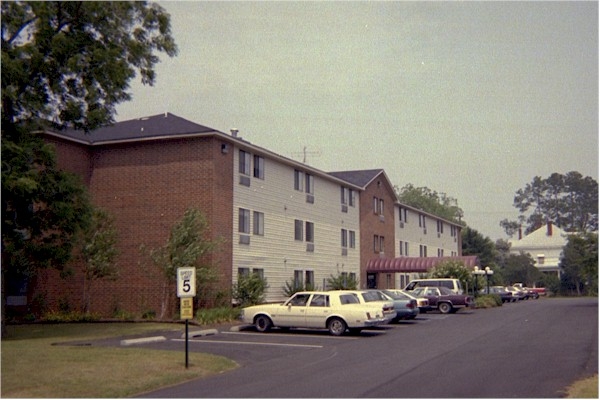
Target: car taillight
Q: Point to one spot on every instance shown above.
(412, 304)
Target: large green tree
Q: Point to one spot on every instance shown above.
(475, 244)
(579, 263)
(67, 64)
(430, 201)
(70, 62)
(570, 201)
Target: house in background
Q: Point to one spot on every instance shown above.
(273, 216)
(545, 246)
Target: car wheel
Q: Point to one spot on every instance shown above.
(263, 323)
(445, 308)
(336, 326)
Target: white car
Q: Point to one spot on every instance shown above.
(336, 311)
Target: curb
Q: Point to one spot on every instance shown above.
(205, 332)
(152, 339)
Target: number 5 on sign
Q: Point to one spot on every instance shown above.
(186, 282)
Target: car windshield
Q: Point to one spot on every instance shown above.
(371, 296)
(395, 295)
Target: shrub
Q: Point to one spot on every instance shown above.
(488, 301)
(292, 288)
(217, 315)
(250, 290)
(342, 282)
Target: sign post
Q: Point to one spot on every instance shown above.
(186, 291)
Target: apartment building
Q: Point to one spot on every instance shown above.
(271, 215)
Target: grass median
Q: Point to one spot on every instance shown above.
(34, 364)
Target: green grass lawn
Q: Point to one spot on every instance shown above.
(34, 366)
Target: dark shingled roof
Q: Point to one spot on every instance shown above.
(359, 178)
(162, 125)
(415, 264)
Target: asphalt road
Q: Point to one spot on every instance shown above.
(531, 349)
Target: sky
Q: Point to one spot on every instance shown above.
(469, 99)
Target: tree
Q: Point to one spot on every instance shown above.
(69, 64)
(186, 245)
(430, 201)
(579, 263)
(475, 244)
(98, 253)
(570, 201)
(452, 269)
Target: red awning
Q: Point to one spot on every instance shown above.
(415, 264)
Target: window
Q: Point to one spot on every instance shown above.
(310, 231)
(244, 221)
(440, 227)
(320, 300)
(351, 200)
(344, 238)
(299, 300)
(422, 250)
(380, 206)
(259, 167)
(378, 244)
(244, 163)
(375, 205)
(422, 223)
(402, 215)
(298, 230)
(352, 239)
(345, 192)
(259, 272)
(309, 280)
(401, 248)
(259, 223)
(310, 184)
(541, 259)
(298, 180)
(440, 252)
(243, 272)
(298, 279)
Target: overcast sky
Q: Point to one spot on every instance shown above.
(472, 99)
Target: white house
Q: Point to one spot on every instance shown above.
(545, 246)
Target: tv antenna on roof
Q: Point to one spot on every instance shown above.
(305, 153)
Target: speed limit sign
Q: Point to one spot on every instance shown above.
(186, 282)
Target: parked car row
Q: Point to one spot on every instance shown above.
(353, 310)
(512, 293)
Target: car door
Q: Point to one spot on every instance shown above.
(432, 295)
(317, 311)
(293, 312)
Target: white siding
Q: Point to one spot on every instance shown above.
(277, 253)
(408, 230)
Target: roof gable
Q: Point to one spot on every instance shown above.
(162, 125)
(360, 178)
(548, 235)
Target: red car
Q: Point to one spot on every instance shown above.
(444, 299)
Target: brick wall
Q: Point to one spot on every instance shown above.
(372, 224)
(147, 186)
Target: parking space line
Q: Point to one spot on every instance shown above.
(288, 335)
(251, 343)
